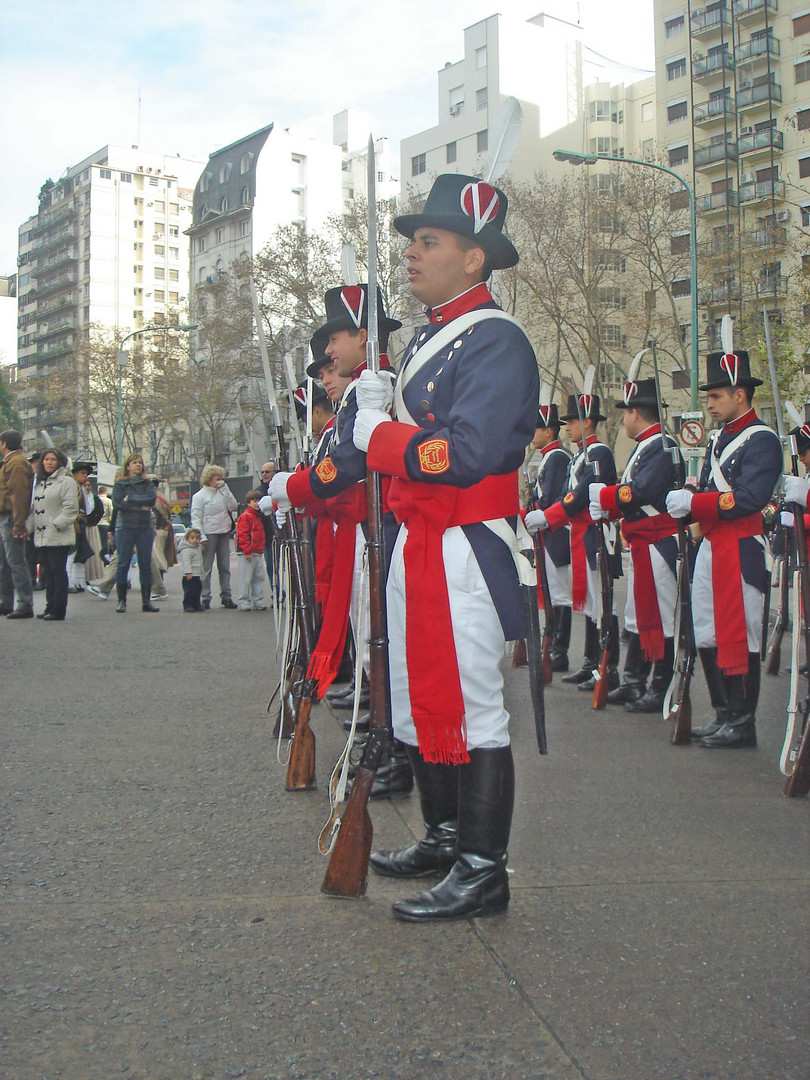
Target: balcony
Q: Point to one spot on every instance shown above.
(760, 141)
(748, 10)
(774, 236)
(709, 112)
(759, 48)
(717, 247)
(45, 268)
(62, 348)
(715, 153)
(717, 200)
(50, 240)
(765, 189)
(54, 329)
(726, 292)
(768, 285)
(750, 97)
(705, 21)
(61, 281)
(704, 67)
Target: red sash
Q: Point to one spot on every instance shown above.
(640, 535)
(437, 701)
(579, 560)
(729, 610)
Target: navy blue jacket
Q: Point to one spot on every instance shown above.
(552, 485)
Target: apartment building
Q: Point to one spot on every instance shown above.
(108, 246)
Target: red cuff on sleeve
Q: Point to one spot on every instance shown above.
(607, 497)
(556, 516)
(299, 489)
(706, 505)
(386, 450)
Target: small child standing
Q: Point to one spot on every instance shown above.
(250, 541)
(191, 563)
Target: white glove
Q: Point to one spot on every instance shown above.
(679, 503)
(266, 505)
(787, 519)
(365, 424)
(594, 505)
(374, 391)
(281, 517)
(796, 490)
(535, 521)
(277, 492)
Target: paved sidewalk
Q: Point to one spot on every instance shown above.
(162, 919)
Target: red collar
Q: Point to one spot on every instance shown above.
(551, 446)
(476, 296)
(648, 432)
(734, 426)
(589, 440)
(384, 363)
(330, 423)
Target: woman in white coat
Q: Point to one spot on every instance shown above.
(212, 510)
(55, 509)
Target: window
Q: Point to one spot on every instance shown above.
(244, 163)
(160, 249)
(205, 180)
(224, 204)
(801, 71)
(245, 196)
(648, 149)
(612, 336)
(105, 174)
(804, 166)
(160, 273)
(220, 235)
(679, 200)
(681, 287)
(244, 228)
(456, 100)
(480, 99)
(599, 110)
(603, 145)
(126, 177)
(160, 296)
(801, 24)
(173, 297)
(174, 230)
(482, 141)
(174, 208)
(418, 164)
(451, 153)
(481, 57)
(805, 212)
(380, 177)
(676, 69)
(174, 275)
(647, 112)
(200, 244)
(676, 112)
(225, 172)
(610, 296)
(678, 155)
(159, 227)
(679, 243)
(675, 26)
(803, 119)
(174, 253)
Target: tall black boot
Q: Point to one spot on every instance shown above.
(653, 700)
(146, 602)
(716, 684)
(394, 776)
(438, 797)
(591, 657)
(478, 883)
(122, 597)
(634, 676)
(613, 661)
(561, 638)
(743, 696)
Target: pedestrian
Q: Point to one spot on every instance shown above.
(32, 557)
(133, 497)
(55, 509)
(272, 533)
(212, 510)
(15, 504)
(104, 524)
(191, 564)
(164, 552)
(94, 507)
(465, 410)
(250, 541)
(91, 510)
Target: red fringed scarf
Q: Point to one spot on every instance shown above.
(729, 611)
(428, 510)
(640, 535)
(579, 561)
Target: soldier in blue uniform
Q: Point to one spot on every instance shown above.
(550, 485)
(573, 509)
(464, 411)
(640, 500)
(742, 466)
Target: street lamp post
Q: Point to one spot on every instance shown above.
(122, 363)
(575, 158)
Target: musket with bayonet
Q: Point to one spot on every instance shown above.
(601, 680)
(347, 872)
(301, 763)
(677, 700)
(543, 589)
(304, 523)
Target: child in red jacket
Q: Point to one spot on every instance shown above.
(250, 540)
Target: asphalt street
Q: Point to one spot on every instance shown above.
(162, 916)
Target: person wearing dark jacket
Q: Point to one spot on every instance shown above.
(133, 497)
(15, 502)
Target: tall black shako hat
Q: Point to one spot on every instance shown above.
(591, 408)
(547, 412)
(639, 391)
(319, 397)
(467, 206)
(728, 370)
(802, 438)
(317, 344)
(347, 309)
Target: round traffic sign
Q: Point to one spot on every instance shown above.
(692, 432)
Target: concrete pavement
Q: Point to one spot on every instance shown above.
(162, 919)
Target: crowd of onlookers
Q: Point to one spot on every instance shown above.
(61, 534)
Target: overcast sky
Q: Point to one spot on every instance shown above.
(211, 71)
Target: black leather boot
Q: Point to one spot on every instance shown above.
(146, 602)
(394, 776)
(122, 597)
(653, 699)
(436, 852)
(613, 662)
(716, 685)
(740, 729)
(561, 638)
(477, 883)
(590, 660)
(634, 676)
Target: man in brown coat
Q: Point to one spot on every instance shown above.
(16, 479)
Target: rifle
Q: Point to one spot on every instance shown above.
(347, 872)
(545, 591)
(677, 702)
(301, 763)
(601, 682)
(773, 654)
(302, 443)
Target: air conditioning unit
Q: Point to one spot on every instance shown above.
(743, 131)
(782, 215)
(456, 109)
(748, 178)
(150, 204)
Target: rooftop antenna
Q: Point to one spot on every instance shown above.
(138, 131)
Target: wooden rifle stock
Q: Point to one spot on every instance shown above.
(602, 679)
(680, 710)
(543, 591)
(798, 783)
(773, 657)
(301, 763)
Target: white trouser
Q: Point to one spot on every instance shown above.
(478, 638)
(250, 580)
(666, 589)
(75, 572)
(559, 583)
(703, 604)
(362, 633)
(593, 599)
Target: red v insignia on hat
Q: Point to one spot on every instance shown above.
(476, 196)
(352, 298)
